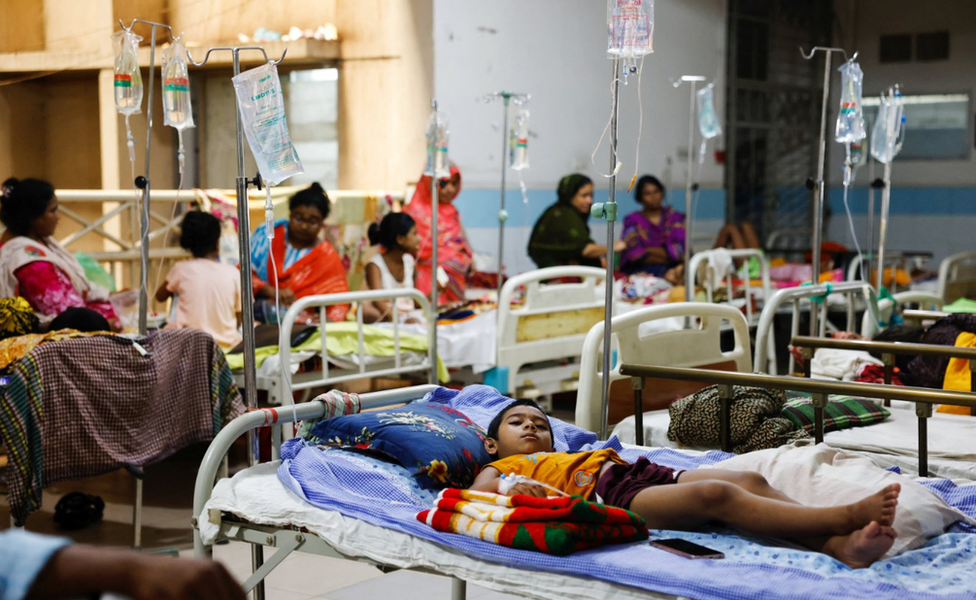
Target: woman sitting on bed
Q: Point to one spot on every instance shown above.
(654, 235)
(561, 236)
(297, 259)
(34, 265)
(520, 439)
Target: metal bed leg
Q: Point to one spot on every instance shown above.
(224, 471)
(459, 589)
(923, 411)
(285, 547)
(638, 384)
(257, 561)
(889, 364)
(819, 404)
(725, 409)
(137, 514)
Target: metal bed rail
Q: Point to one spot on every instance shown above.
(815, 295)
(888, 351)
(321, 302)
(701, 259)
(924, 398)
(274, 418)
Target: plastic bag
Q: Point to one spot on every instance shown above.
(262, 107)
(889, 122)
(95, 272)
(630, 28)
(438, 133)
(850, 119)
(518, 141)
(707, 119)
(128, 77)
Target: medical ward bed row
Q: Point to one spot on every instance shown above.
(257, 507)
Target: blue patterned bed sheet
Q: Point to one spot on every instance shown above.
(384, 494)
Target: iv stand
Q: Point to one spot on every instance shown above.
(502, 213)
(609, 211)
(690, 186)
(142, 182)
(435, 205)
(886, 189)
(247, 294)
(818, 183)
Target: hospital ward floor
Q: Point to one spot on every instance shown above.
(167, 508)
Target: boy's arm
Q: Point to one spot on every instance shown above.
(487, 480)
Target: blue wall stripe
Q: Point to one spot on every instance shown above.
(479, 207)
(909, 201)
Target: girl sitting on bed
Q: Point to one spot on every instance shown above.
(34, 265)
(520, 438)
(208, 292)
(393, 267)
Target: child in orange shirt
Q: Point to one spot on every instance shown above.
(520, 437)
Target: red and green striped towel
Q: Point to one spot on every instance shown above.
(557, 526)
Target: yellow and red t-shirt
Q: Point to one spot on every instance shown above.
(573, 473)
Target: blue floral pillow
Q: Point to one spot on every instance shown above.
(439, 445)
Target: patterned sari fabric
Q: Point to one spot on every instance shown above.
(50, 279)
(319, 271)
(558, 526)
(641, 235)
(454, 254)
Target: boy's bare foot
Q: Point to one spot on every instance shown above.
(863, 547)
(879, 506)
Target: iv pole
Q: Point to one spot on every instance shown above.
(142, 181)
(818, 201)
(886, 189)
(247, 294)
(435, 205)
(609, 211)
(689, 184)
(502, 213)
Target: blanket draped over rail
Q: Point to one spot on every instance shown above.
(84, 407)
(557, 526)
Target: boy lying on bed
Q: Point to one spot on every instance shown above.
(520, 437)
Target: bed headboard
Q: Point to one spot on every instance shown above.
(637, 342)
(957, 277)
(924, 300)
(553, 319)
(710, 267)
(851, 292)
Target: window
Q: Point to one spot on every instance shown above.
(937, 126)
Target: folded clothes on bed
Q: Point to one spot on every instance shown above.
(557, 526)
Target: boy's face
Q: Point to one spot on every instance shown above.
(523, 430)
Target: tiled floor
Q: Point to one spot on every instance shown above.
(167, 508)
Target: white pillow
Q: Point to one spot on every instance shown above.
(824, 476)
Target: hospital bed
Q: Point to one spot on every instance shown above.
(713, 268)
(957, 277)
(359, 359)
(256, 507)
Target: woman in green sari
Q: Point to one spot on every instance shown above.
(561, 236)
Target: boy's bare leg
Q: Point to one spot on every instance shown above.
(691, 505)
(748, 480)
(857, 534)
(749, 233)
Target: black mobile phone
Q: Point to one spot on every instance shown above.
(686, 548)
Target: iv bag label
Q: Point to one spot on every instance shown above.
(176, 84)
(123, 81)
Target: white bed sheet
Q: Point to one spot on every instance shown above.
(893, 442)
(257, 496)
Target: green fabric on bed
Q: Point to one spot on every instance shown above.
(343, 338)
(841, 412)
(962, 305)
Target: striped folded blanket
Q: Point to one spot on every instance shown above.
(557, 526)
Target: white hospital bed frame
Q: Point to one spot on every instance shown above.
(702, 267)
(957, 277)
(280, 386)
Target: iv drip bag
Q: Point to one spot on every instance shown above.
(630, 28)
(128, 78)
(177, 111)
(888, 133)
(850, 118)
(437, 136)
(262, 107)
(707, 119)
(518, 141)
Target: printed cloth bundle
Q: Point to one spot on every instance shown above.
(557, 526)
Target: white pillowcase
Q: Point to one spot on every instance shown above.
(824, 476)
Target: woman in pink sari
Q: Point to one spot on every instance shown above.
(34, 265)
(454, 254)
